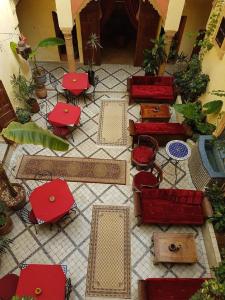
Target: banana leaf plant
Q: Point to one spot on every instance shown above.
(195, 115)
(48, 42)
(31, 133)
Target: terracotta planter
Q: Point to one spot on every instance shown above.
(14, 202)
(35, 108)
(5, 229)
(39, 76)
(41, 92)
(220, 237)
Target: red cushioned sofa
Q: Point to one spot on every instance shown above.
(171, 206)
(162, 132)
(168, 288)
(156, 89)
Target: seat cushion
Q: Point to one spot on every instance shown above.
(159, 128)
(8, 285)
(153, 91)
(145, 178)
(158, 211)
(172, 288)
(143, 154)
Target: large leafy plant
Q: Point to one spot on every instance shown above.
(195, 115)
(154, 57)
(213, 289)
(191, 82)
(93, 44)
(31, 133)
(22, 88)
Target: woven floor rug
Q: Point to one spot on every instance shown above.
(109, 262)
(73, 169)
(112, 129)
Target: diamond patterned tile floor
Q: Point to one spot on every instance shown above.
(68, 242)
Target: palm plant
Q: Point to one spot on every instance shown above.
(93, 43)
(4, 244)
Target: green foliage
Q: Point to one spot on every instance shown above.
(220, 272)
(2, 213)
(211, 290)
(22, 88)
(51, 41)
(206, 43)
(195, 116)
(93, 43)
(30, 133)
(191, 82)
(4, 244)
(218, 219)
(154, 57)
(213, 107)
(13, 47)
(23, 115)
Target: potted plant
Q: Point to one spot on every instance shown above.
(23, 91)
(154, 57)
(191, 83)
(195, 115)
(216, 195)
(93, 44)
(39, 73)
(6, 224)
(213, 289)
(23, 115)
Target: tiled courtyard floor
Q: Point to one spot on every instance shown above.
(70, 244)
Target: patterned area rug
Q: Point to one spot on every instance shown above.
(73, 169)
(112, 129)
(109, 261)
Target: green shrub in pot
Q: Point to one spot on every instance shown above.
(23, 115)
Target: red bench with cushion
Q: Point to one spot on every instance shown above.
(162, 132)
(168, 288)
(171, 206)
(156, 89)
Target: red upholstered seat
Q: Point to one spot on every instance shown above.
(143, 154)
(171, 206)
(172, 288)
(61, 131)
(153, 91)
(144, 178)
(159, 128)
(8, 285)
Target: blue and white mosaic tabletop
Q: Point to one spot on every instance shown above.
(178, 150)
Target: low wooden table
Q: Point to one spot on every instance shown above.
(155, 113)
(186, 254)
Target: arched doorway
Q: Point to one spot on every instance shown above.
(117, 22)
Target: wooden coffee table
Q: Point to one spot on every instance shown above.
(155, 113)
(186, 254)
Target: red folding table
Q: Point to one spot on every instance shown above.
(51, 201)
(43, 282)
(64, 114)
(76, 83)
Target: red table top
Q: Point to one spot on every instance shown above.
(50, 278)
(51, 200)
(76, 83)
(64, 114)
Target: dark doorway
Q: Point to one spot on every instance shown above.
(59, 34)
(118, 35)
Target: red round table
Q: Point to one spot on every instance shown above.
(49, 278)
(64, 114)
(51, 201)
(76, 83)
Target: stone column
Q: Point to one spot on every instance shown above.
(67, 32)
(168, 41)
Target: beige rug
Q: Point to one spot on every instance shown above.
(109, 171)
(112, 129)
(109, 263)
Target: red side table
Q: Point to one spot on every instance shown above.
(51, 201)
(76, 83)
(64, 114)
(48, 280)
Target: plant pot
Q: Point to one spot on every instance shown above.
(41, 91)
(35, 108)
(14, 202)
(220, 237)
(39, 76)
(7, 227)
(91, 77)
